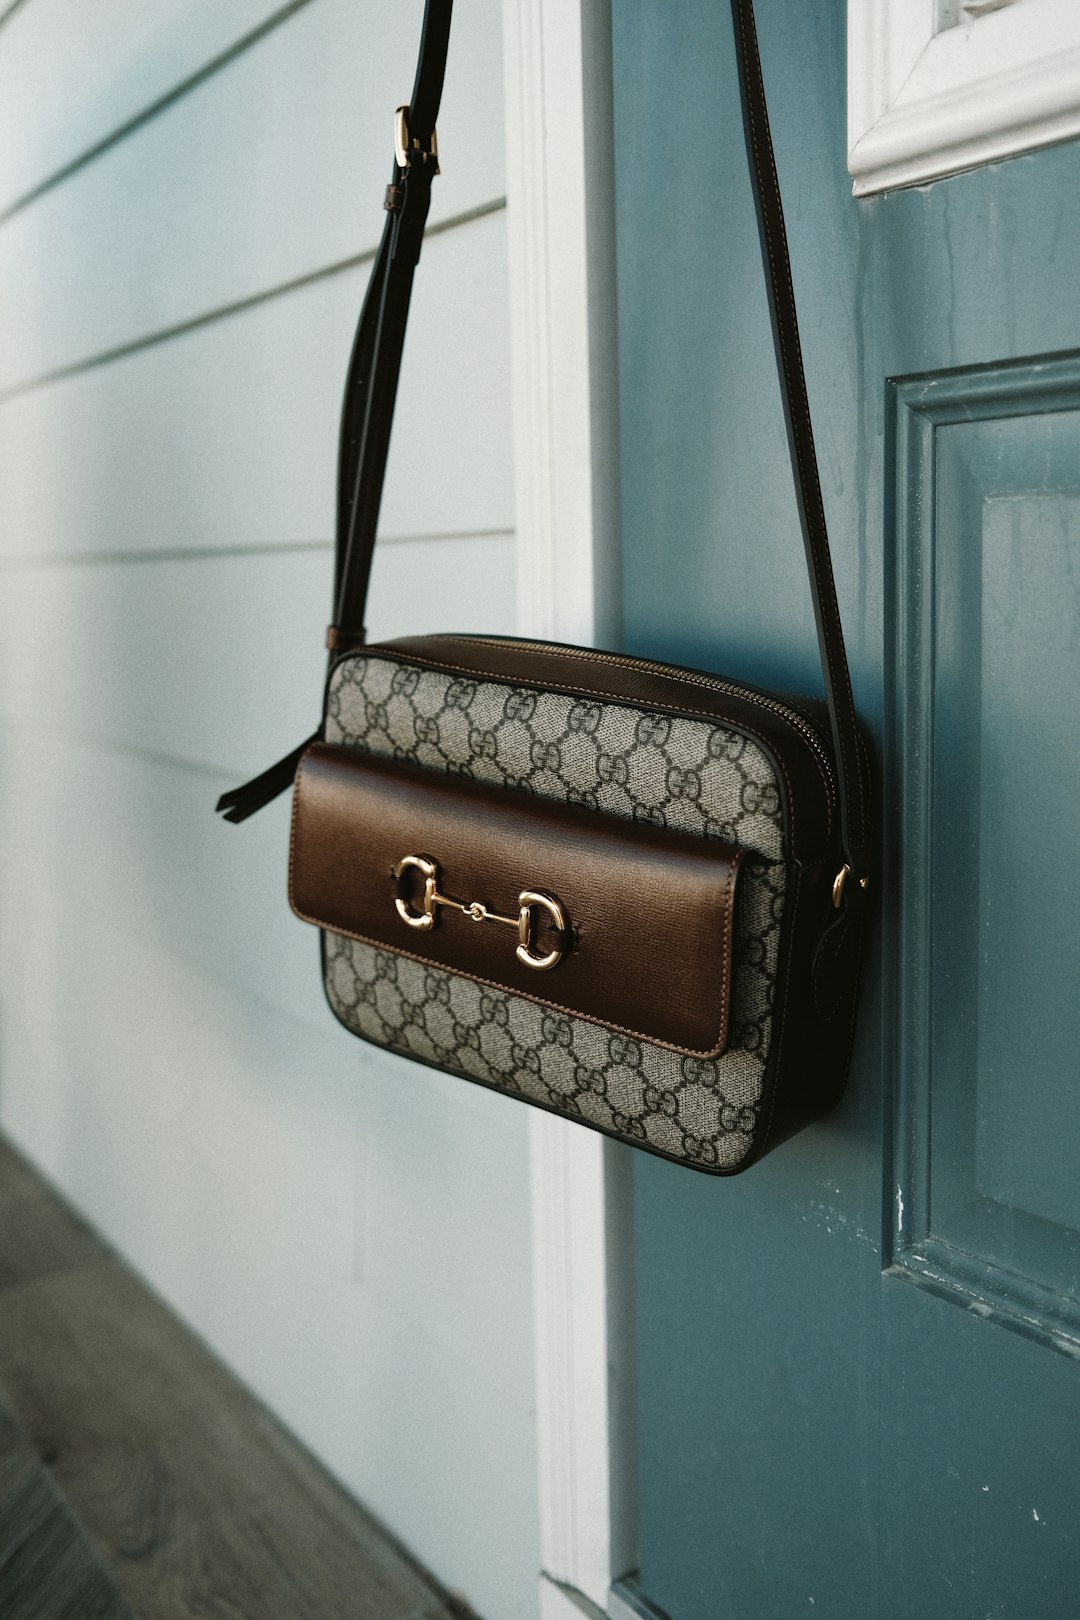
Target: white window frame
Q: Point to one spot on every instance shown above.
(925, 102)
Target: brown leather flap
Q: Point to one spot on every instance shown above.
(646, 946)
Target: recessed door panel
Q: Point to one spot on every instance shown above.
(1027, 1116)
(987, 690)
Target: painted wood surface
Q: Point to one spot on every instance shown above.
(263, 172)
(150, 51)
(350, 1234)
(226, 435)
(145, 1474)
(833, 1418)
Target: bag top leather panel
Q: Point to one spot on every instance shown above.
(647, 944)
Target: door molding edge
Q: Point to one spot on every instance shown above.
(561, 246)
(925, 101)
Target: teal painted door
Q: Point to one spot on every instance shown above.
(859, 1365)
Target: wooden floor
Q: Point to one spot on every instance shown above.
(137, 1478)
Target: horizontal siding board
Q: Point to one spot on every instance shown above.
(52, 109)
(227, 435)
(267, 171)
(219, 662)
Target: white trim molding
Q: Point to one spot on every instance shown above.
(561, 235)
(561, 232)
(937, 86)
(584, 1359)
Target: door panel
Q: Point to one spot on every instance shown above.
(859, 1365)
(986, 677)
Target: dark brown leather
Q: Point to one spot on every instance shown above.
(809, 802)
(650, 911)
(341, 641)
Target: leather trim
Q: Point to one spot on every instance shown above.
(650, 911)
(341, 641)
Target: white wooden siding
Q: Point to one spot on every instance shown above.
(350, 1231)
(227, 435)
(270, 169)
(142, 54)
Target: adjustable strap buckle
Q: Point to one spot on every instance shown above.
(406, 150)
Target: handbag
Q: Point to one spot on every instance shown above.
(630, 893)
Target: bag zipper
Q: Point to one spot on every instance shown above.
(713, 683)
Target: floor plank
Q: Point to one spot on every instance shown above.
(48, 1568)
(196, 1498)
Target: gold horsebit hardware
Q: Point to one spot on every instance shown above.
(530, 901)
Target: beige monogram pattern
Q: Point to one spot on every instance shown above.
(675, 771)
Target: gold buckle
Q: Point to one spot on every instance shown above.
(405, 149)
(530, 902)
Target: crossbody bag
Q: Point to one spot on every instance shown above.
(624, 891)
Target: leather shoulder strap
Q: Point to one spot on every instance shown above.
(371, 385)
(789, 362)
(371, 389)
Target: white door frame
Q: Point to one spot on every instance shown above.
(561, 229)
